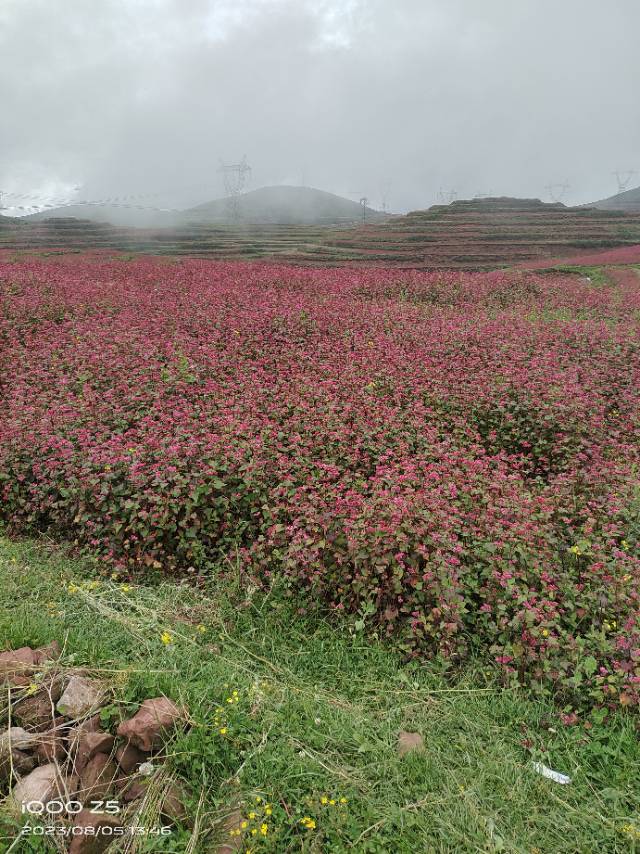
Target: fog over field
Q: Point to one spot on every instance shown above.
(358, 97)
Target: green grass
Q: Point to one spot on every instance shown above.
(598, 275)
(318, 714)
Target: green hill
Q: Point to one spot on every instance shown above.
(628, 201)
(285, 205)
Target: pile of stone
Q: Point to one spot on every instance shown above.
(59, 765)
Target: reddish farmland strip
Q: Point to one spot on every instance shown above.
(452, 456)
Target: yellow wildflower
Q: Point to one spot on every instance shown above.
(263, 829)
(166, 638)
(252, 815)
(324, 800)
(202, 629)
(268, 811)
(223, 730)
(125, 588)
(343, 800)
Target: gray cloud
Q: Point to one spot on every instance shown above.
(137, 96)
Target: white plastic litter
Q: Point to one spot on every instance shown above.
(146, 769)
(550, 774)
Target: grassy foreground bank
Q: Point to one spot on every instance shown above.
(315, 720)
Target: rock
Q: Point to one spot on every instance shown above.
(81, 697)
(231, 844)
(76, 731)
(51, 652)
(100, 831)
(17, 737)
(129, 757)
(130, 787)
(97, 778)
(148, 728)
(79, 746)
(408, 741)
(22, 762)
(136, 788)
(20, 680)
(43, 784)
(90, 743)
(52, 743)
(15, 763)
(172, 805)
(17, 659)
(38, 711)
(16, 666)
(72, 784)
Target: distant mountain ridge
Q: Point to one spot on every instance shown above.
(469, 234)
(285, 205)
(277, 205)
(628, 201)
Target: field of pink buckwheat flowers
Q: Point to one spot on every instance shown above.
(449, 459)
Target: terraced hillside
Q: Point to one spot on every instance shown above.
(488, 233)
(476, 234)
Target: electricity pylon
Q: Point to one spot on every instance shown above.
(235, 177)
(624, 178)
(445, 197)
(385, 186)
(363, 201)
(557, 192)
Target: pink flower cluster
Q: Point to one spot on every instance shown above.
(450, 458)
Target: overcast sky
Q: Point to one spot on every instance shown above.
(352, 96)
